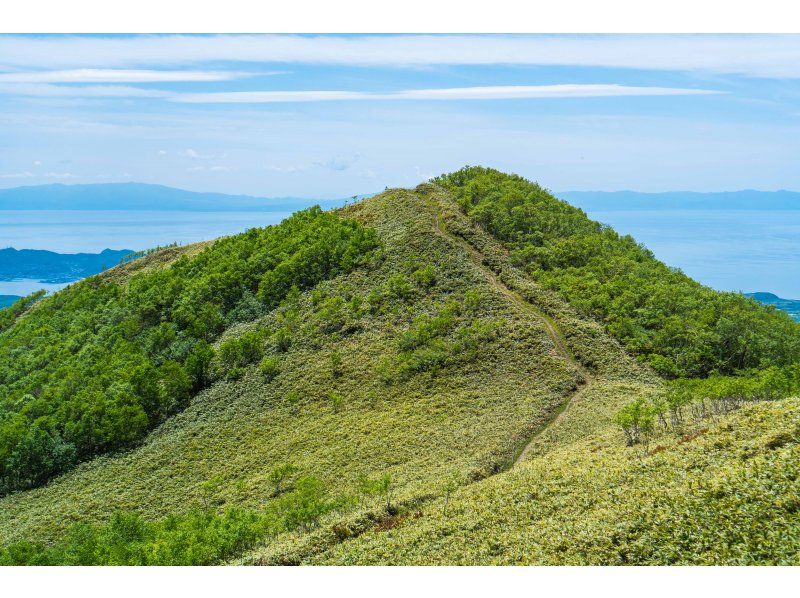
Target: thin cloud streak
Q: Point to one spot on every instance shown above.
(508, 92)
(83, 91)
(123, 76)
(775, 56)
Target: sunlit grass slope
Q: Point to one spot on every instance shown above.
(728, 494)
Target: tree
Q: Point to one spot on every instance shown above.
(337, 400)
(636, 420)
(269, 367)
(305, 504)
(336, 364)
(377, 487)
(451, 484)
(281, 475)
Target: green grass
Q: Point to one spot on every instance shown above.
(728, 496)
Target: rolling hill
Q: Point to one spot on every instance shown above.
(429, 376)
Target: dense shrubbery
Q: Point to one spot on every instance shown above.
(13, 311)
(678, 326)
(200, 537)
(97, 365)
(451, 335)
(687, 401)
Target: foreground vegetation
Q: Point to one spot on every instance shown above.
(726, 494)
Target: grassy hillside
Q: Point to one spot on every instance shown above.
(429, 404)
(723, 495)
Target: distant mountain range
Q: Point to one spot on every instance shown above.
(792, 306)
(682, 200)
(140, 196)
(51, 267)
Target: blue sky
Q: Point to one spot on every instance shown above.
(333, 115)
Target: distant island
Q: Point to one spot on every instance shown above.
(792, 306)
(682, 200)
(51, 267)
(141, 196)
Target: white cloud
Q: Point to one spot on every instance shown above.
(107, 91)
(752, 55)
(120, 76)
(338, 163)
(17, 175)
(61, 175)
(194, 154)
(285, 169)
(507, 92)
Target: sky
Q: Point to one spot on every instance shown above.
(338, 115)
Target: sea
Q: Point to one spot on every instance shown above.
(731, 250)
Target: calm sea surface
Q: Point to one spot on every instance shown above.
(741, 250)
(728, 250)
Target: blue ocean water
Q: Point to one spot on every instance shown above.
(742, 250)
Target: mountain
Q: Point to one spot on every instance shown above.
(683, 200)
(791, 306)
(468, 372)
(140, 196)
(51, 267)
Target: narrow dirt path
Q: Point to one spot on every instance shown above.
(550, 327)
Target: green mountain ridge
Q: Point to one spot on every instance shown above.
(431, 376)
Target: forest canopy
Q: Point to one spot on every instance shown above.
(96, 366)
(678, 326)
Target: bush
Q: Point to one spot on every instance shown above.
(269, 367)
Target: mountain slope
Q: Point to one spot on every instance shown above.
(435, 373)
(675, 324)
(433, 408)
(727, 496)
